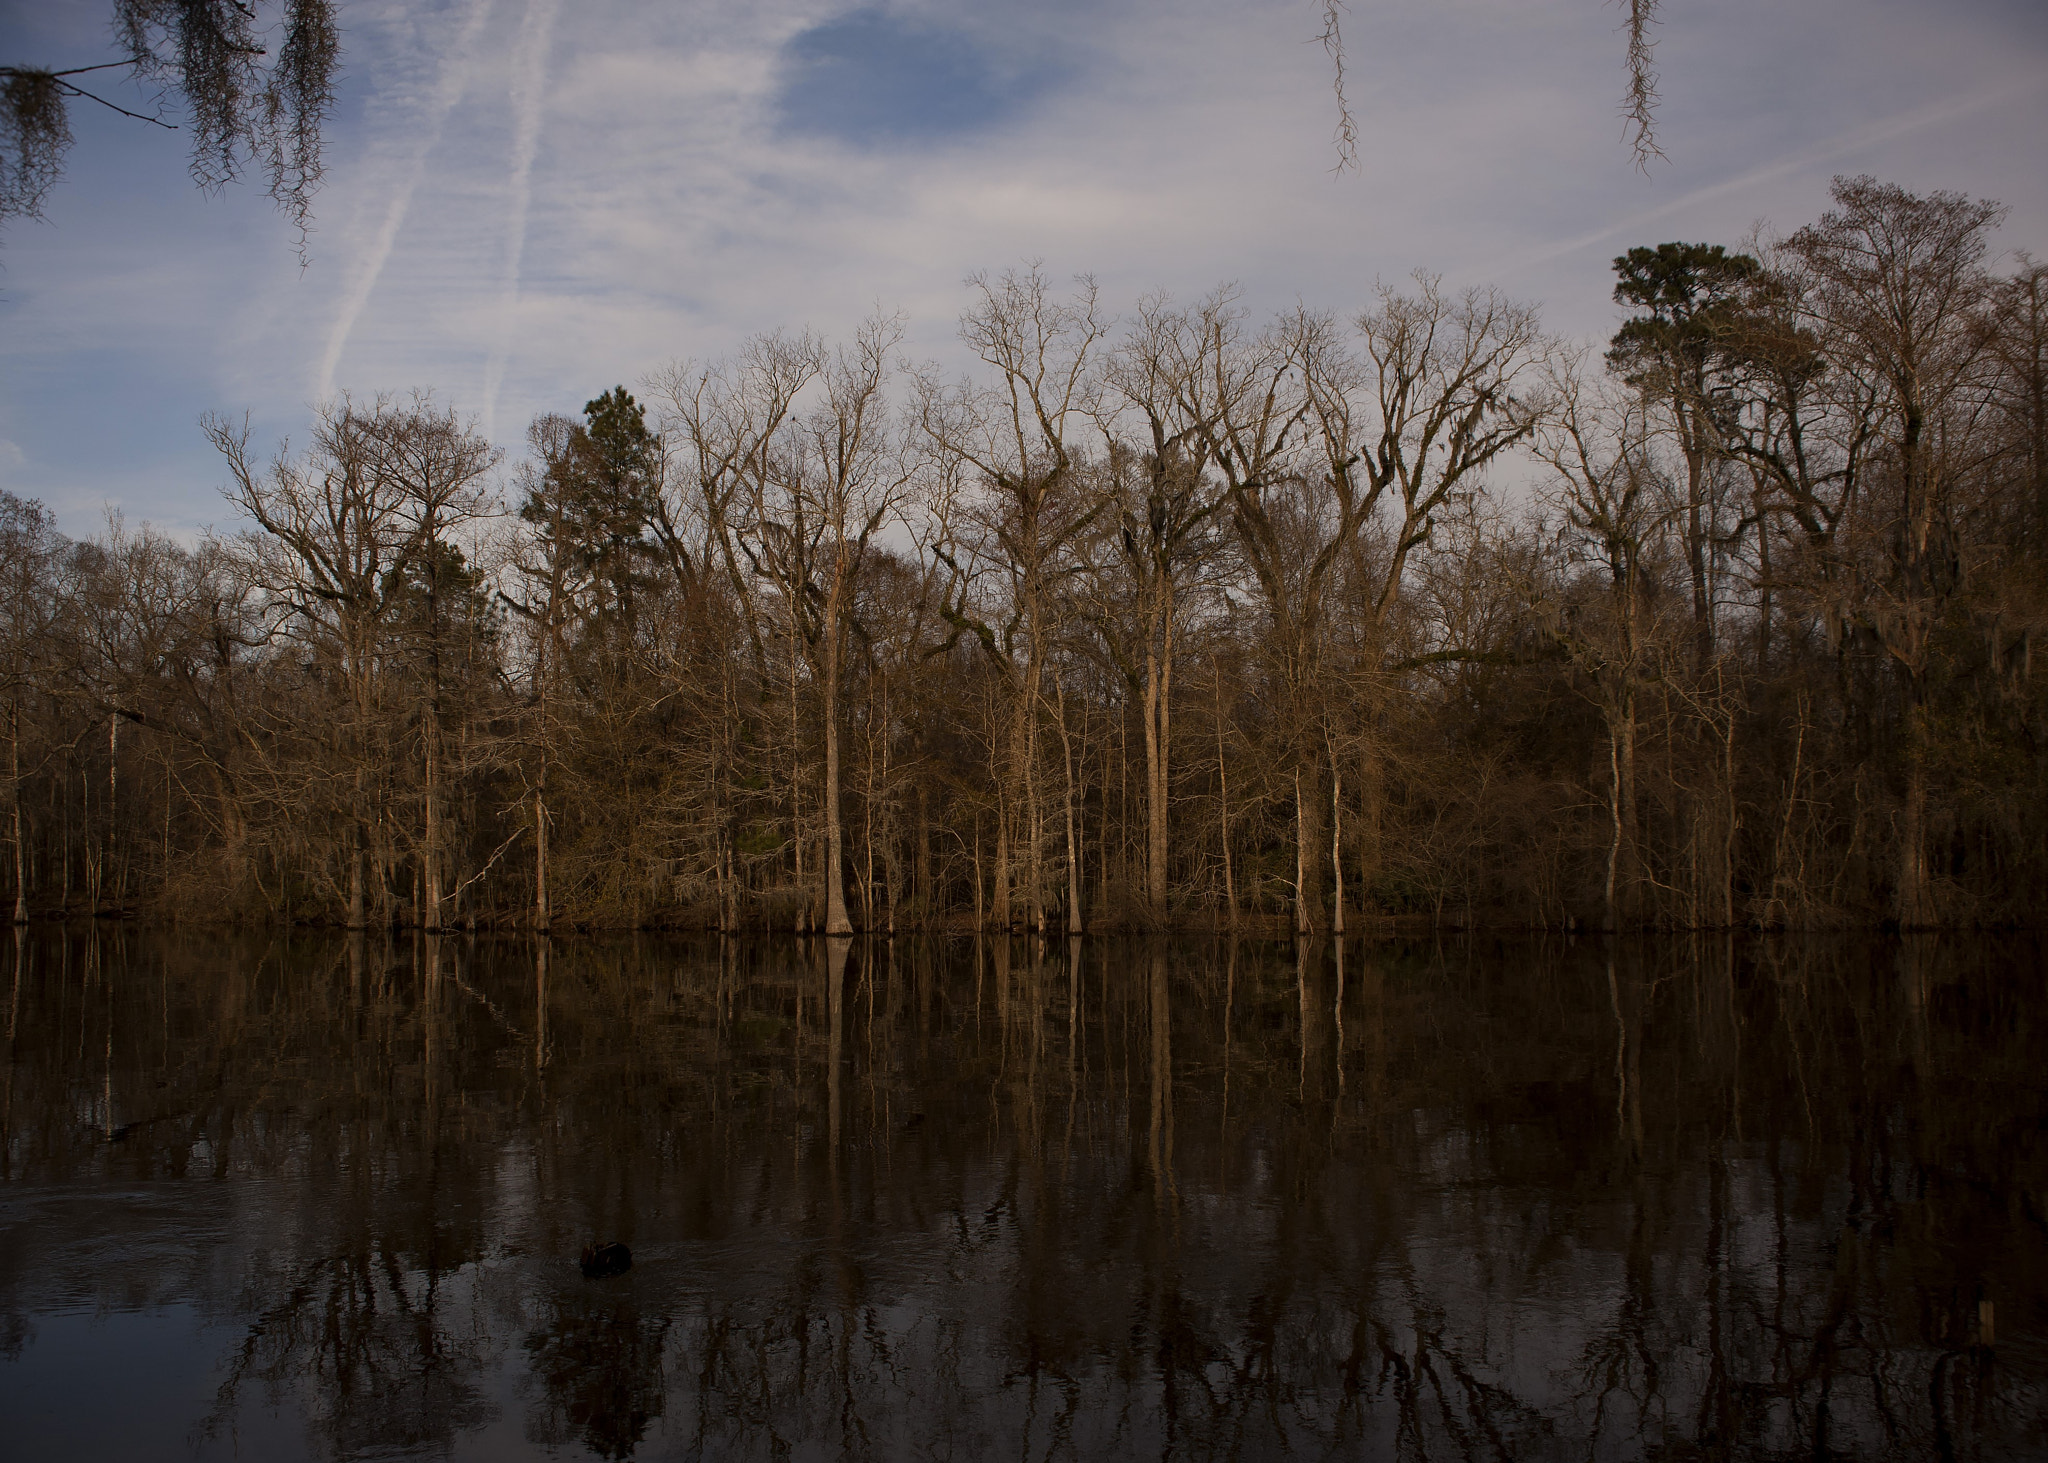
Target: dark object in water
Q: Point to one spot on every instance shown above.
(602, 1260)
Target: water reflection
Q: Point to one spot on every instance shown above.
(1694, 1199)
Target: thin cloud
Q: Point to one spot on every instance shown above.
(452, 82)
(532, 209)
(529, 96)
(1839, 146)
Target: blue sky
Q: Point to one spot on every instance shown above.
(528, 201)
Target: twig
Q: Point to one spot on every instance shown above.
(79, 91)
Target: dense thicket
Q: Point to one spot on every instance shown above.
(1187, 618)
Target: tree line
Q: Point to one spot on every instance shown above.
(1184, 619)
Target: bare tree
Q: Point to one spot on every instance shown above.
(1252, 400)
(1898, 285)
(1605, 490)
(344, 527)
(1164, 536)
(438, 467)
(28, 544)
(1016, 438)
(742, 699)
(832, 482)
(1418, 416)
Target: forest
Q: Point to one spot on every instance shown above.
(1162, 616)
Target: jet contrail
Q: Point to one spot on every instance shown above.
(529, 98)
(448, 91)
(1881, 131)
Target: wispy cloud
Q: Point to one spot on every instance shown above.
(526, 206)
(1846, 144)
(452, 80)
(529, 99)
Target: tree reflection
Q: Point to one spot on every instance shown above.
(1623, 1198)
(598, 1366)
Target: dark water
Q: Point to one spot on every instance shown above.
(1689, 1200)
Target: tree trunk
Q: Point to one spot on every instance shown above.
(1308, 853)
(430, 852)
(355, 882)
(871, 814)
(113, 802)
(1337, 843)
(1158, 682)
(1914, 902)
(923, 896)
(14, 808)
(1623, 874)
(1731, 824)
(540, 1006)
(1073, 838)
(796, 799)
(1034, 815)
(356, 747)
(1692, 440)
(1001, 883)
(836, 921)
(1223, 808)
(540, 860)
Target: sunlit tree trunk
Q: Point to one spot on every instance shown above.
(1337, 844)
(836, 921)
(1158, 754)
(1623, 875)
(113, 802)
(999, 893)
(430, 851)
(1308, 850)
(1073, 838)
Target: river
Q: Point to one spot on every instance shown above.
(1689, 1198)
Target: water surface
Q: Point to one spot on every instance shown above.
(1697, 1199)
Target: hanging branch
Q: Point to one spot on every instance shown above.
(1332, 39)
(1639, 102)
(246, 105)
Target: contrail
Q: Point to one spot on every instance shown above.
(1883, 131)
(529, 98)
(453, 79)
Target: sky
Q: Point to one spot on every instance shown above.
(529, 201)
